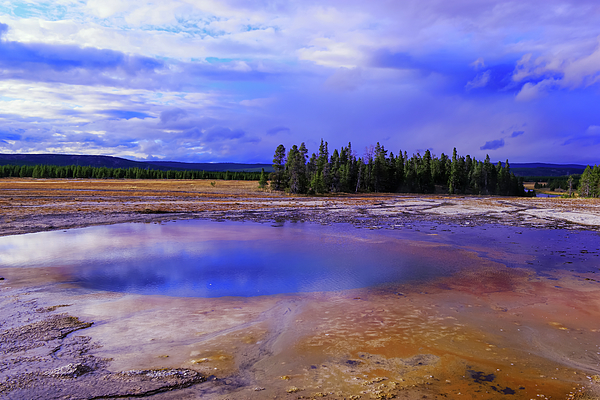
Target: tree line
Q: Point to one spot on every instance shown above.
(87, 172)
(378, 171)
(553, 183)
(589, 182)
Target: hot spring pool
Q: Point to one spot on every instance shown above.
(213, 259)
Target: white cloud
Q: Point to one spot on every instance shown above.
(479, 81)
(479, 63)
(582, 72)
(108, 8)
(593, 130)
(330, 53)
(557, 71)
(531, 91)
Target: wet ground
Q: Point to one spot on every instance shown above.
(520, 319)
(485, 334)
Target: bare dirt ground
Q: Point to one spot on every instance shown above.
(29, 205)
(489, 333)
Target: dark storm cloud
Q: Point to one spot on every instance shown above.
(222, 133)
(34, 60)
(10, 135)
(457, 68)
(493, 145)
(442, 63)
(517, 133)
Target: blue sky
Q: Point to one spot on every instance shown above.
(229, 80)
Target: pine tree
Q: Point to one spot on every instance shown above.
(411, 170)
(585, 183)
(453, 180)
(323, 167)
(379, 170)
(296, 170)
(277, 180)
(334, 172)
(488, 175)
(475, 179)
(399, 171)
(262, 183)
(596, 181)
(317, 184)
(424, 174)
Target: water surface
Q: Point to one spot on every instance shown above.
(215, 259)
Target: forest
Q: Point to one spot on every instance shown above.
(78, 171)
(589, 182)
(378, 171)
(343, 171)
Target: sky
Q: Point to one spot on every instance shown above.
(230, 80)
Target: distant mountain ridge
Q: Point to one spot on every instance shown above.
(213, 166)
(544, 165)
(519, 169)
(545, 169)
(117, 162)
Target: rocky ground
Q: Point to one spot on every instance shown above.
(46, 352)
(42, 356)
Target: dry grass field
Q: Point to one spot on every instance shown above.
(23, 200)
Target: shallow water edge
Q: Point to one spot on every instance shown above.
(504, 321)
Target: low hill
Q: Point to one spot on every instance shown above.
(68, 159)
(232, 167)
(117, 162)
(548, 170)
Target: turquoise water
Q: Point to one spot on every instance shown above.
(214, 259)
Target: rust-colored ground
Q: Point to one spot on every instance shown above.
(489, 332)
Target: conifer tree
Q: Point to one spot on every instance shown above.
(424, 174)
(277, 179)
(262, 182)
(454, 173)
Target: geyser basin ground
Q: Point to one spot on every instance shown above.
(423, 309)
